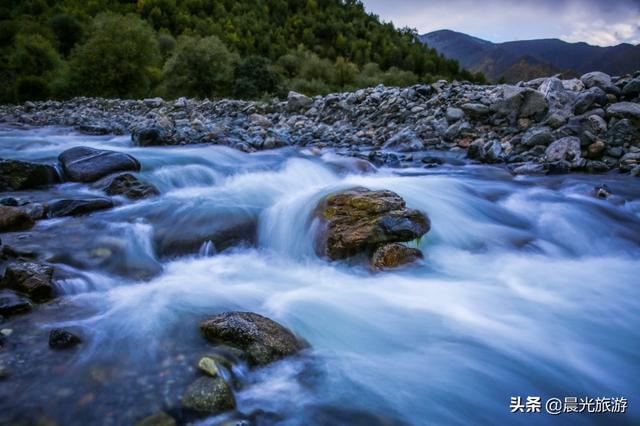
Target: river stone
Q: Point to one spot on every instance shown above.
(632, 88)
(623, 132)
(567, 148)
(521, 102)
(537, 136)
(14, 219)
(454, 114)
(597, 79)
(84, 164)
(296, 101)
(629, 110)
(394, 255)
(209, 366)
(405, 140)
(76, 207)
(359, 220)
(127, 185)
(20, 175)
(629, 161)
(33, 279)
(12, 304)
(63, 339)
(475, 110)
(159, 419)
(210, 395)
(262, 340)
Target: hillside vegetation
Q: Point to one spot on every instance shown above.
(205, 48)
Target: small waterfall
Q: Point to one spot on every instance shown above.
(208, 249)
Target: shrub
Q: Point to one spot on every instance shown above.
(31, 88)
(67, 30)
(254, 77)
(199, 67)
(118, 58)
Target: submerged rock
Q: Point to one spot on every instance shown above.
(211, 395)
(127, 185)
(33, 279)
(394, 255)
(84, 164)
(63, 339)
(262, 340)
(78, 206)
(20, 175)
(159, 419)
(358, 220)
(14, 219)
(12, 304)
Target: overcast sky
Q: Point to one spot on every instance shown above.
(599, 22)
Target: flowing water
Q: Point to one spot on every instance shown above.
(529, 287)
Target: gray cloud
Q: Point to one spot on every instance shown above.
(599, 22)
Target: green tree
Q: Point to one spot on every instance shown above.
(255, 77)
(118, 59)
(67, 30)
(199, 67)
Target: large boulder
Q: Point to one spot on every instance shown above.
(262, 340)
(632, 88)
(84, 164)
(14, 219)
(32, 279)
(394, 255)
(520, 102)
(210, 395)
(76, 207)
(128, 185)
(358, 220)
(19, 175)
(601, 80)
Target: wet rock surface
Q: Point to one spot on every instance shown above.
(358, 220)
(19, 175)
(84, 164)
(128, 185)
(394, 255)
(63, 339)
(14, 219)
(261, 339)
(211, 395)
(34, 280)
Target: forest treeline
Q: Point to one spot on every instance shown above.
(248, 49)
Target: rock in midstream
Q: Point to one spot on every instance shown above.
(261, 339)
(32, 279)
(84, 164)
(360, 220)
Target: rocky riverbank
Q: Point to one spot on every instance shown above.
(548, 125)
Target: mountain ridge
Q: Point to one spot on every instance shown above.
(522, 59)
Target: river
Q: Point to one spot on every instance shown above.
(529, 287)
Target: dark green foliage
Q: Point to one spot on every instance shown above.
(199, 67)
(118, 58)
(255, 77)
(31, 88)
(67, 30)
(244, 48)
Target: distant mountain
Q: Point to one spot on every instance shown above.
(528, 59)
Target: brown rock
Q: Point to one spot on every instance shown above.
(596, 150)
(32, 279)
(14, 219)
(359, 220)
(394, 255)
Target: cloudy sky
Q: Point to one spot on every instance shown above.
(599, 22)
